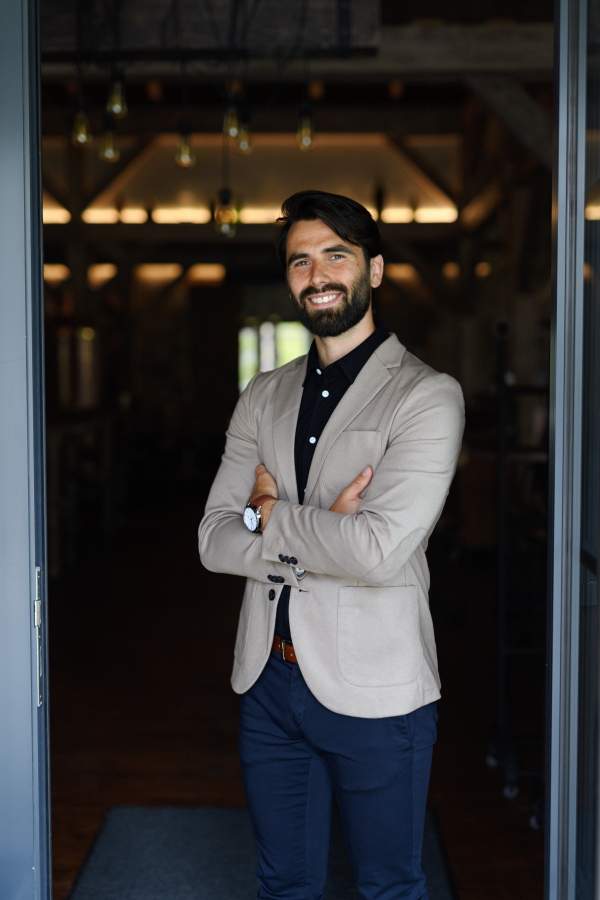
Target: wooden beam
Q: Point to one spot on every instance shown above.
(205, 235)
(518, 110)
(399, 250)
(405, 51)
(55, 189)
(111, 171)
(481, 206)
(422, 163)
(222, 30)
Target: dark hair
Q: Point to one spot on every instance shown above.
(350, 221)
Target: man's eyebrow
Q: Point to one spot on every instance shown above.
(296, 256)
(339, 248)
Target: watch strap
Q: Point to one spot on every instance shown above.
(260, 500)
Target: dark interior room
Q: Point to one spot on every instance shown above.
(172, 132)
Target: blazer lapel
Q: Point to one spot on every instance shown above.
(285, 417)
(372, 378)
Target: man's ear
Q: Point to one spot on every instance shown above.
(376, 270)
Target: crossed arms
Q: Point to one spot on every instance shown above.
(404, 499)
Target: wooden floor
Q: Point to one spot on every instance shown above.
(142, 712)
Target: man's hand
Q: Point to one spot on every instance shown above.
(264, 484)
(349, 500)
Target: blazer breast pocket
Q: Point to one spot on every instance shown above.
(348, 456)
(379, 635)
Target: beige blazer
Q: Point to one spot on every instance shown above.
(359, 617)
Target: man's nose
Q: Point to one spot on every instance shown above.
(319, 273)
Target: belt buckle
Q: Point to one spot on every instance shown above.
(282, 644)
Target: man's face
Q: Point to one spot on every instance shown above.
(330, 281)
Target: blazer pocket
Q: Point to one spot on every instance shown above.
(348, 456)
(379, 635)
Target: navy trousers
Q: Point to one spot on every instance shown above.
(296, 755)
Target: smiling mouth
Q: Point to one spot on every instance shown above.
(324, 299)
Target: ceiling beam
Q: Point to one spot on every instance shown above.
(405, 51)
(518, 110)
(399, 250)
(55, 189)
(111, 171)
(151, 119)
(200, 236)
(422, 163)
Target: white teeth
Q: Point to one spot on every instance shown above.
(323, 299)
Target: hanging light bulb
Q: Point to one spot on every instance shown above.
(231, 119)
(185, 156)
(116, 104)
(244, 141)
(108, 152)
(81, 133)
(225, 214)
(305, 135)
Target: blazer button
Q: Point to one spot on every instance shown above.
(287, 559)
(272, 577)
(282, 558)
(280, 579)
(293, 561)
(271, 594)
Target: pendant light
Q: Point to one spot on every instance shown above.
(231, 121)
(244, 138)
(80, 133)
(225, 214)
(305, 136)
(185, 156)
(108, 152)
(116, 105)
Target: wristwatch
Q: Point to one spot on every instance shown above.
(252, 516)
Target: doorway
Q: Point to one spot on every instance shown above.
(146, 254)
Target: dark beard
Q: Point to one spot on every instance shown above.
(333, 321)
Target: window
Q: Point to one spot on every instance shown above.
(267, 346)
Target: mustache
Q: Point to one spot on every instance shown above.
(331, 288)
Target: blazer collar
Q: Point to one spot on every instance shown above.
(371, 379)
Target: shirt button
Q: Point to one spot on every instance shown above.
(318, 371)
(325, 394)
(312, 440)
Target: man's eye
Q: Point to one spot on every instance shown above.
(337, 256)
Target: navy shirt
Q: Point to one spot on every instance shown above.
(322, 391)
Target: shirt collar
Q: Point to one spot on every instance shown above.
(352, 363)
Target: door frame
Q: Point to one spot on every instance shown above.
(24, 777)
(566, 370)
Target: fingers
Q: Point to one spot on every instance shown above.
(361, 481)
(355, 489)
(259, 469)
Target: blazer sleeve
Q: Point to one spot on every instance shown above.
(224, 542)
(402, 503)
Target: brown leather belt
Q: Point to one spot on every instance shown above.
(285, 649)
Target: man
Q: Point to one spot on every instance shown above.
(335, 656)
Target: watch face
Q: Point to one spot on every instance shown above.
(250, 519)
